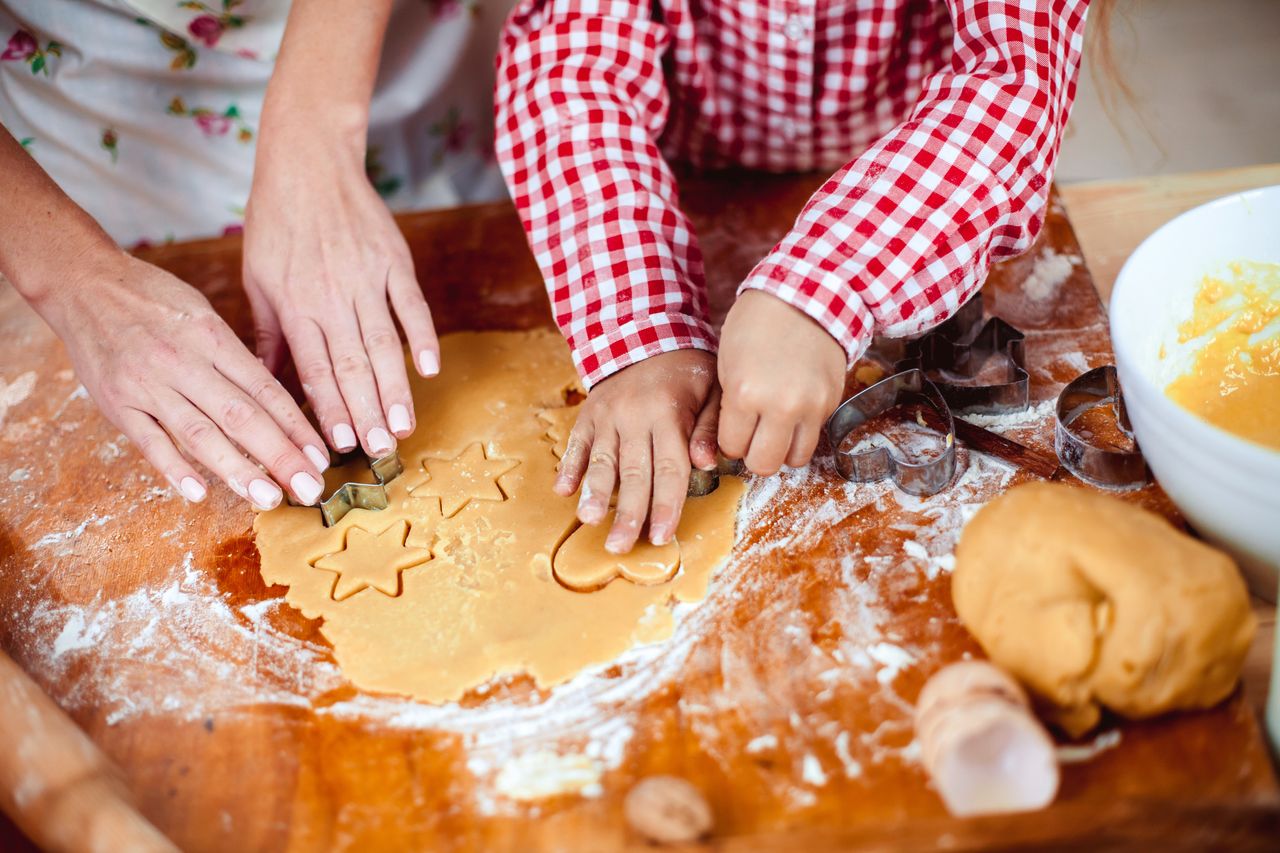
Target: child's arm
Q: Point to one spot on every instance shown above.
(902, 236)
(581, 99)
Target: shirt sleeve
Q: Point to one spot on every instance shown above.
(581, 100)
(901, 237)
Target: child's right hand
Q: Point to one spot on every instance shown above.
(638, 430)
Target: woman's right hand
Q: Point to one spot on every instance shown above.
(165, 369)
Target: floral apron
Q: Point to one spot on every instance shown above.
(146, 111)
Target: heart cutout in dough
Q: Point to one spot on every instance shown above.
(582, 564)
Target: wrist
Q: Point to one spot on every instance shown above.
(51, 274)
(79, 285)
(297, 125)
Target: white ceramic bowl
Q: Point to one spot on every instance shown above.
(1228, 487)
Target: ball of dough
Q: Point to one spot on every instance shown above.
(1091, 601)
(667, 809)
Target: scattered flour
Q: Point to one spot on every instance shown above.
(69, 536)
(892, 659)
(1012, 420)
(214, 657)
(1078, 753)
(813, 772)
(852, 768)
(543, 774)
(1051, 270)
(13, 393)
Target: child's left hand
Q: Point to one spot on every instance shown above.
(782, 375)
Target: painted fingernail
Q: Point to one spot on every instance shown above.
(380, 441)
(306, 488)
(192, 489)
(428, 363)
(398, 419)
(344, 437)
(264, 493)
(318, 457)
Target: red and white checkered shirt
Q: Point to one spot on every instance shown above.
(956, 108)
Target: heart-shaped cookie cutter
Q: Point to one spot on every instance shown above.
(1107, 467)
(910, 387)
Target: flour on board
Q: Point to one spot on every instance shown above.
(224, 658)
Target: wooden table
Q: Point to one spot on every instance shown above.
(1111, 218)
(136, 612)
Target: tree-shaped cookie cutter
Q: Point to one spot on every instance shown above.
(922, 478)
(955, 353)
(1106, 467)
(372, 496)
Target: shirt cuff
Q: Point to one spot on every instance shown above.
(826, 297)
(637, 339)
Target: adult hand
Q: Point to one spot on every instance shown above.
(167, 371)
(782, 376)
(324, 268)
(638, 430)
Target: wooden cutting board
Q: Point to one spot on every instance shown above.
(786, 700)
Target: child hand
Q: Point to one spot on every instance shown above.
(637, 430)
(782, 376)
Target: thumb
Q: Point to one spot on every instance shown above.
(702, 443)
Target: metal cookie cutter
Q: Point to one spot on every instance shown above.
(373, 496)
(917, 478)
(958, 350)
(1108, 467)
(705, 482)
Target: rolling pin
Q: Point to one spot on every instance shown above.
(55, 784)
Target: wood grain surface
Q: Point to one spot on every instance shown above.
(87, 530)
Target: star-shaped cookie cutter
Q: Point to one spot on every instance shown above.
(955, 353)
(910, 387)
(372, 496)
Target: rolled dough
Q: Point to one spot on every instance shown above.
(468, 541)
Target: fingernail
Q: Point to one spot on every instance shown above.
(192, 489)
(590, 513)
(344, 437)
(306, 488)
(398, 419)
(318, 457)
(237, 487)
(659, 534)
(428, 363)
(615, 544)
(380, 441)
(264, 493)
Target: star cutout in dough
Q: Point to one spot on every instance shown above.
(368, 560)
(559, 422)
(469, 476)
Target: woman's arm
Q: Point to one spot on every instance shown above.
(325, 264)
(149, 349)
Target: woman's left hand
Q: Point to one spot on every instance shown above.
(325, 269)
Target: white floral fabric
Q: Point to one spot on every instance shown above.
(146, 112)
